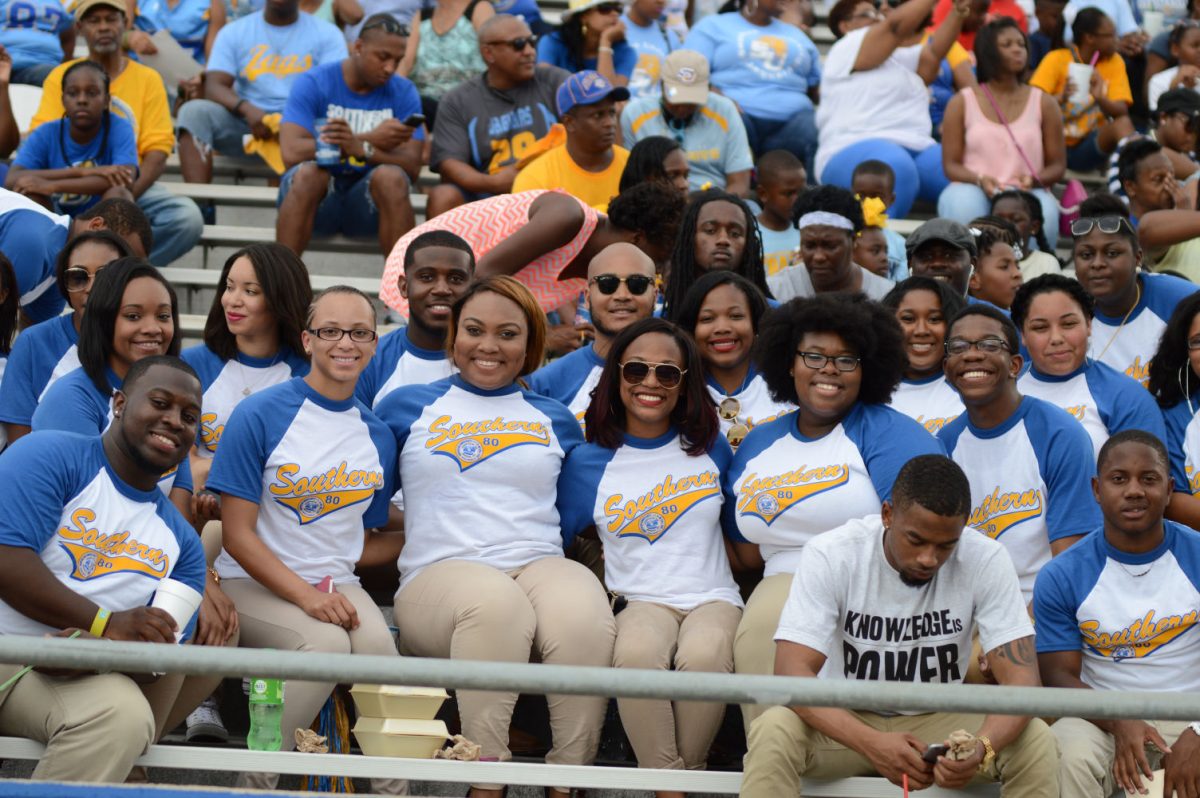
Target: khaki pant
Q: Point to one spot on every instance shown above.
(665, 734)
(1087, 754)
(268, 621)
(783, 749)
(552, 607)
(754, 645)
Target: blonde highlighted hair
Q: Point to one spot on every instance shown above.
(535, 319)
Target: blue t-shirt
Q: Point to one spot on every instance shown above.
(226, 383)
(51, 147)
(41, 355)
(657, 510)
(570, 379)
(525, 9)
(321, 472)
(266, 60)
(1101, 398)
(1183, 444)
(1030, 481)
(783, 489)
(30, 31)
(1132, 616)
(767, 70)
(398, 362)
(31, 237)
(322, 92)
(1127, 343)
(553, 50)
(479, 469)
(101, 537)
(652, 44)
(187, 22)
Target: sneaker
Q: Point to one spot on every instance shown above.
(204, 724)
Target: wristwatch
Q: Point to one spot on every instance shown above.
(989, 753)
(368, 150)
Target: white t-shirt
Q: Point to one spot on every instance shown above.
(848, 602)
(570, 379)
(1135, 617)
(931, 402)
(320, 471)
(890, 102)
(398, 361)
(657, 511)
(1183, 443)
(795, 281)
(1129, 348)
(480, 471)
(754, 399)
(1159, 84)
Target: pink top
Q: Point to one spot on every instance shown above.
(483, 225)
(990, 150)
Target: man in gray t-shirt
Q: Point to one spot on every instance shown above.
(486, 124)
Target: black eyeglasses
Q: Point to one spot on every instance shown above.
(1106, 224)
(78, 278)
(816, 361)
(960, 346)
(668, 375)
(519, 44)
(609, 283)
(359, 335)
(385, 23)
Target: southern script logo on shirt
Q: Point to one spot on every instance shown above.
(934, 425)
(936, 662)
(1193, 481)
(210, 431)
(315, 496)
(770, 497)
(650, 516)
(1079, 411)
(1000, 512)
(1139, 371)
(1139, 639)
(278, 65)
(472, 442)
(95, 553)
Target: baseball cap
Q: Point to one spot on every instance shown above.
(84, 6)
(685, 78)
(579, 6)
(587, 88)
(1181, 100)
(947, 230)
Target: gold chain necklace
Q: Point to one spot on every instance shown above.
(1121, 326)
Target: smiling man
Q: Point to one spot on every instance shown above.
(1102, 625)
(64, 496)
(1028, 461)
(589, 164)
(944, 250)
(620, 291)
(896, 597)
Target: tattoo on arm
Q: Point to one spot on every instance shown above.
(1019, 652)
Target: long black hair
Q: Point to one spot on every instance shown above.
(99, 321)
(987, 49)
(574, 41)
(694, 415)
(683, 260)
(283, 278)
(10, 307)
(693, 300)
(1171, 376)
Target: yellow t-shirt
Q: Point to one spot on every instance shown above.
(1182, 258)
(1079, 120)
(138, 92)
(555, 169)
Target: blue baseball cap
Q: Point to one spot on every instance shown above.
(587, 88)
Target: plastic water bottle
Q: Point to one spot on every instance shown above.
(327, 154)
(266, 715)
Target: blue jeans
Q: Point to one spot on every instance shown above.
(175, 221)
(963, 202)
(32, 75)
(797, 134)
(347, 207)
(918, 173)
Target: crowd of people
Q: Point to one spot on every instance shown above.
(691, 405)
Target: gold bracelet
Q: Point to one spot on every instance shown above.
(215, 576)
(100, 622)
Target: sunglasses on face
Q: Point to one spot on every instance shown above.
(1106, 224)
(519, 44)
(960, 346)
(609, 8)
(609, 283)
(668, 375)
(78, 278)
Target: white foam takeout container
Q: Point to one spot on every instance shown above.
(394, 701)
(410, 739)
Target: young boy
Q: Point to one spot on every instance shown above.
(781, 178)
(876, 179)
